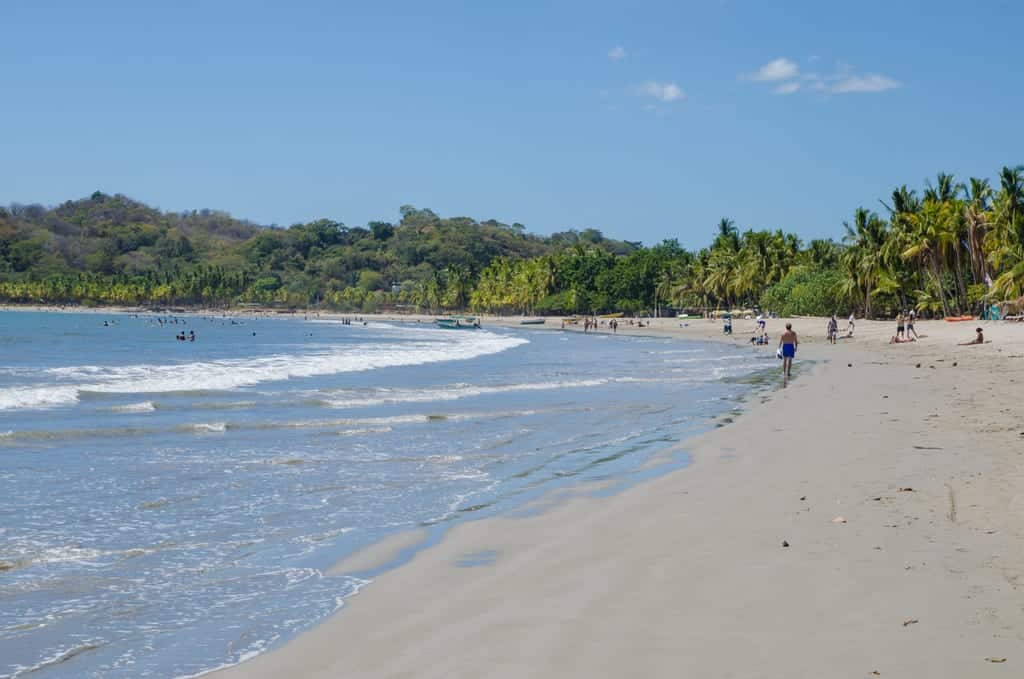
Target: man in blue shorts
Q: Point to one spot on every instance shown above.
(787, 344)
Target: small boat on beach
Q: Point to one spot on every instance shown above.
(532, 321)
(458, 323)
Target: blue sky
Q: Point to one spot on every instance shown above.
(644, 120)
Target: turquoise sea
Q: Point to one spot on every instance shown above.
(171, 507)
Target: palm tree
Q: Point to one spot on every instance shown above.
(930, 240)
(976, 209)
(728, 235)
(1011, 182)
(862, 258)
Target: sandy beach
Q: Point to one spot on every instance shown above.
(863, 522)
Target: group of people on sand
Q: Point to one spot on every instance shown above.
(905, 327)
(832, 330)
(905, 331)
(760, 336)
(612, 324)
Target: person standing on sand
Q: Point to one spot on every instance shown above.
(787, 344)
(833, 329)
(849, 325)
(910, 324)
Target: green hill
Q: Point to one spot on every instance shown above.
(114, 250)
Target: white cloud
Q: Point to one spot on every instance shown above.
(617, 53)
(665, 92)
(843, 80)
(777, 69)
(863, 83)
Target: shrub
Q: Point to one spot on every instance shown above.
(805, 292)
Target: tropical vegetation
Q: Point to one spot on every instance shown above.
(949, 248)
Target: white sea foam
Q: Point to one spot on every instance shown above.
(452, 392)
(143, 407)
(209, 427)
(229, 374)
(13, 398)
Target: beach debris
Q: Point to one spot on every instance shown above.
(906, 489)
(876, 673)
(785, 543)
(954, 364)
(918, 365)
(849, 365)
(995, 660)
(839, 519)
(908, 623)
(803, 498)
(877, 499)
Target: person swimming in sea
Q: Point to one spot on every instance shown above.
(788, 343)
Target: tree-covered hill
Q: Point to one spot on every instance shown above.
(112, 249)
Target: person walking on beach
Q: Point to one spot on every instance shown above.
(899, 324)
(849, 325)
(833, 329)
(787, 344)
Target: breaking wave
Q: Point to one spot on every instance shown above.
(227, 374)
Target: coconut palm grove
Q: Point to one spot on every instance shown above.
(945, 248)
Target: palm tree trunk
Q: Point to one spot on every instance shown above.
(962, 298)
(938, 283)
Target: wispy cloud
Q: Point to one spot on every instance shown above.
(870, 82)
(617, 53)
(844, 79)
(666, 92)
(776, 69)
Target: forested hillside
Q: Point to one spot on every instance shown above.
(950, 248)
(114, 250)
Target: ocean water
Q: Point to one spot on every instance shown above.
(171, 507)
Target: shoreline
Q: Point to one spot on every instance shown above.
(700, 547)
(687, 571)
